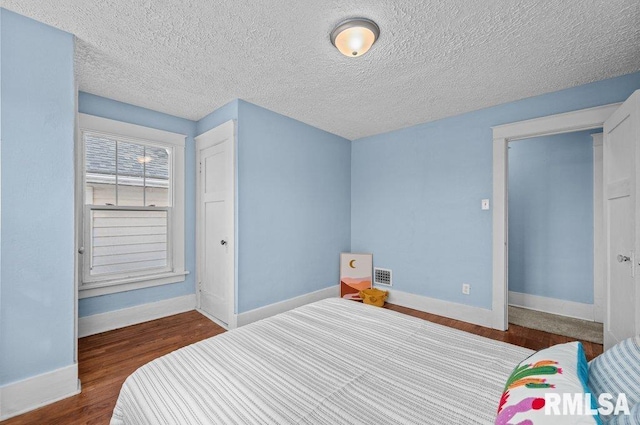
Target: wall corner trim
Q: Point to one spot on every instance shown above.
(37, 391)
(286, 305)
(97, 323)
(466, 313)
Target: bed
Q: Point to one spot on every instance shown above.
(331, 362)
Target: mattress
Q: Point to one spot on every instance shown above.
(330, 362)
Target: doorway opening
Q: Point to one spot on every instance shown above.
(586, 119)
(554, 191)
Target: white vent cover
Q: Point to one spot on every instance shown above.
(382, 276)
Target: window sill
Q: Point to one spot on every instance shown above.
(130, 284)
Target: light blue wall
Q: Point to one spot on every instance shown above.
(551, 216)
(107, 108)
(416, 192)
(293, 207)
(293, 191)
(217, 117)
(1, 12)
(37, 275)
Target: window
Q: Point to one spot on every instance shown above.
(132, 183)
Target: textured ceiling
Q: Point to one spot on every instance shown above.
(434, 58)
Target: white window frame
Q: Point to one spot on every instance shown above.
(175, 143)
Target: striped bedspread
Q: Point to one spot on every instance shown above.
(330, 362)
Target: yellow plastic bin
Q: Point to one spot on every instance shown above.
(374, 296)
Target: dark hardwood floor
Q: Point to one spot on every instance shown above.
(517, 335)
(106, 359)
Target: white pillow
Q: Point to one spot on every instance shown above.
(617, 371)
(632, 419)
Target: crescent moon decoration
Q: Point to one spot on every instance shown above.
(351, 264)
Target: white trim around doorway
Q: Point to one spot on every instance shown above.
(585, 119)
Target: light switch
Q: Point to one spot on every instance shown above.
(485, 204)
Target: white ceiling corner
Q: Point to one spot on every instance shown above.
(434, 59)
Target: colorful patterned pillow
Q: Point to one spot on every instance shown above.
(617, 371)
(535, 391)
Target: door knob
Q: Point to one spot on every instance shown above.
(623, 258)
(223, 242)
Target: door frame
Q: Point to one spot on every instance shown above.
(584, 119)
(599, 245)
(224, 131)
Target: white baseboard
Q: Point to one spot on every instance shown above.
(286, 305)
(463, 312)
(227, 326)
(90, 325)
(552, 305)
(31, 393)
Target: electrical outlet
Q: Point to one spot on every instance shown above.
(466, 288)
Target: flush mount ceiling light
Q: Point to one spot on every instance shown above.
(355, 37)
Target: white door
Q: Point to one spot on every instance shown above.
(215, 222)
(622, 221)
